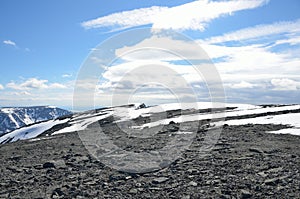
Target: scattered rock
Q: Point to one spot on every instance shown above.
(160, 180)
(223, 196)
(256, 150)
(141, 106)
(57, 192)
(116, 177)
(82, 159)
(4, 195)
(15, 158)
(293, 156)
(192, 183)
(48, 165)
(239, 173)
(172, 122)
(140, 189)
(60, 164)
(155, 188)
(133, 191)
(14, 169)
(275, 170)
(245, 194)
(272, 181)
(173, 128)
(262, 174)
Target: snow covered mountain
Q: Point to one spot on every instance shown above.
(132, 118)
(17, 117)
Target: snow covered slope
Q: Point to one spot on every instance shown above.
(151, 117)
(16, 117)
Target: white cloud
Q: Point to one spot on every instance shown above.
(126, 19)
(260, 59)
(161, 48)
(9, 42)
(197, 14)
(22, 93)
(116, 73)
(179, 79)
(253, 58)
(242, 85)
(259, 64)
(28, 84)
(258, 32)
(56, 85)
(254, 63)
(194, 15)
(285, 84)
(67, 75)
(1, 87)
(237, 65)
(249, 59)
(33, 83)
(292, 41)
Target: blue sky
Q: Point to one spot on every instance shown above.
(255, 44)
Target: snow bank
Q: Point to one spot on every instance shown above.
(30, 131)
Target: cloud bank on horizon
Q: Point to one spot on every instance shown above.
(258, 62)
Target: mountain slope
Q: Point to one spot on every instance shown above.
(133, 120)
(16, 117)
(246, 162)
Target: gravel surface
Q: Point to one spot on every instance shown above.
(246, 162)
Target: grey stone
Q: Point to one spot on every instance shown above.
(160, 180)
(272, 181)
(133, 191)
(256, 150)
(245, 194)
(192, 183)
(60, 164)
(48, 165)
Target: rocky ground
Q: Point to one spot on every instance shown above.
(246, 162)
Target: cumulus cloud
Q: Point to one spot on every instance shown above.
(1, 87)
(33, 83)
(190, 16)
(28, 84)
(285, 84)
(9, 42)
(242, 85)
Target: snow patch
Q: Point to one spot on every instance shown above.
(30, 131)
(239, 112)
(82, 123)
(292, 119)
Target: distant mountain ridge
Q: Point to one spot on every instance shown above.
(135, 119)
(12, 118)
